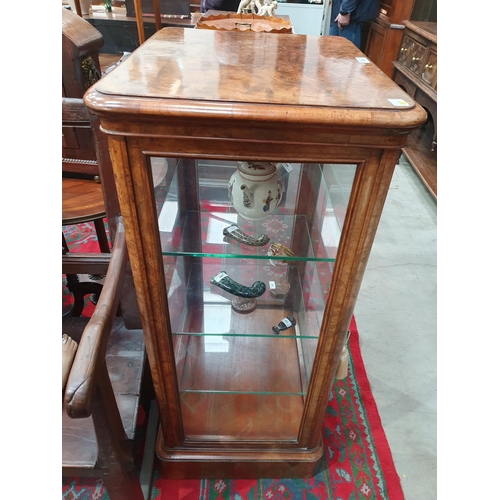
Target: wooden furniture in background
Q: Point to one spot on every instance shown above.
(164, 7)
(85, 156)
(236, 400)
(101, 398)
(80, 68)
(78, 8)
(82, 200)
(229, 21)
(386, 32)
(80, 54)
(121, 33)
(82, 196)
(415, 70)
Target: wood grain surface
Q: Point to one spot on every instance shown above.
(252, 67)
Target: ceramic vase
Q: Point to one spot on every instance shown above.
(255, 189)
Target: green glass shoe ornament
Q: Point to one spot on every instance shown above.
(235, 233)
(222, 280)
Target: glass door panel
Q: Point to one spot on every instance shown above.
(231, 363)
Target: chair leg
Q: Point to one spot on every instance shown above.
(80, 290)
(119, 476)
(102, 237)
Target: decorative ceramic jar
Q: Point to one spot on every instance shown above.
(255, 189)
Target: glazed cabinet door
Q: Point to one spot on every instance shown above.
(244, 317)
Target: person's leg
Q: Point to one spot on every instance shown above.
(351, 32)
(334, 30)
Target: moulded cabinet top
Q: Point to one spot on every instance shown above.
(276, 77)
(426, 29)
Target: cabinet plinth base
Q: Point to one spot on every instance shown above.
(237, 464)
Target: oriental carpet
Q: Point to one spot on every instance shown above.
(357, 463)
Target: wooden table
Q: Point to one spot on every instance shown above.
(205, 99)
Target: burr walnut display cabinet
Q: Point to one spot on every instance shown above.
(236, 397)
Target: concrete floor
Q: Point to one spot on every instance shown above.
(396, 317)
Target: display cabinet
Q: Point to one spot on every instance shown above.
(237, 397)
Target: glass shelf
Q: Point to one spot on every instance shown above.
(208, 309)
(211, 339)
(215, 244)
(197, 230)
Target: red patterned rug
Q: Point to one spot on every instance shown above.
(79, 238)
(357, 464)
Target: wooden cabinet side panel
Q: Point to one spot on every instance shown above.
(135, 194)
(401, 10)
(375, 43)
(383, 46)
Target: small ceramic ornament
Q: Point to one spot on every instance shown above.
(255, 189)
(267, 8)
(246, 7)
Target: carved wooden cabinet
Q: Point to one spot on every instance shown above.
(235, 398)
(386, 32)
(417, 58)
(415, 70)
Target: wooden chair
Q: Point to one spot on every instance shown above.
(101, 398)
(140, 21)
(83, 199)
(82, 194)
(85, 149)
